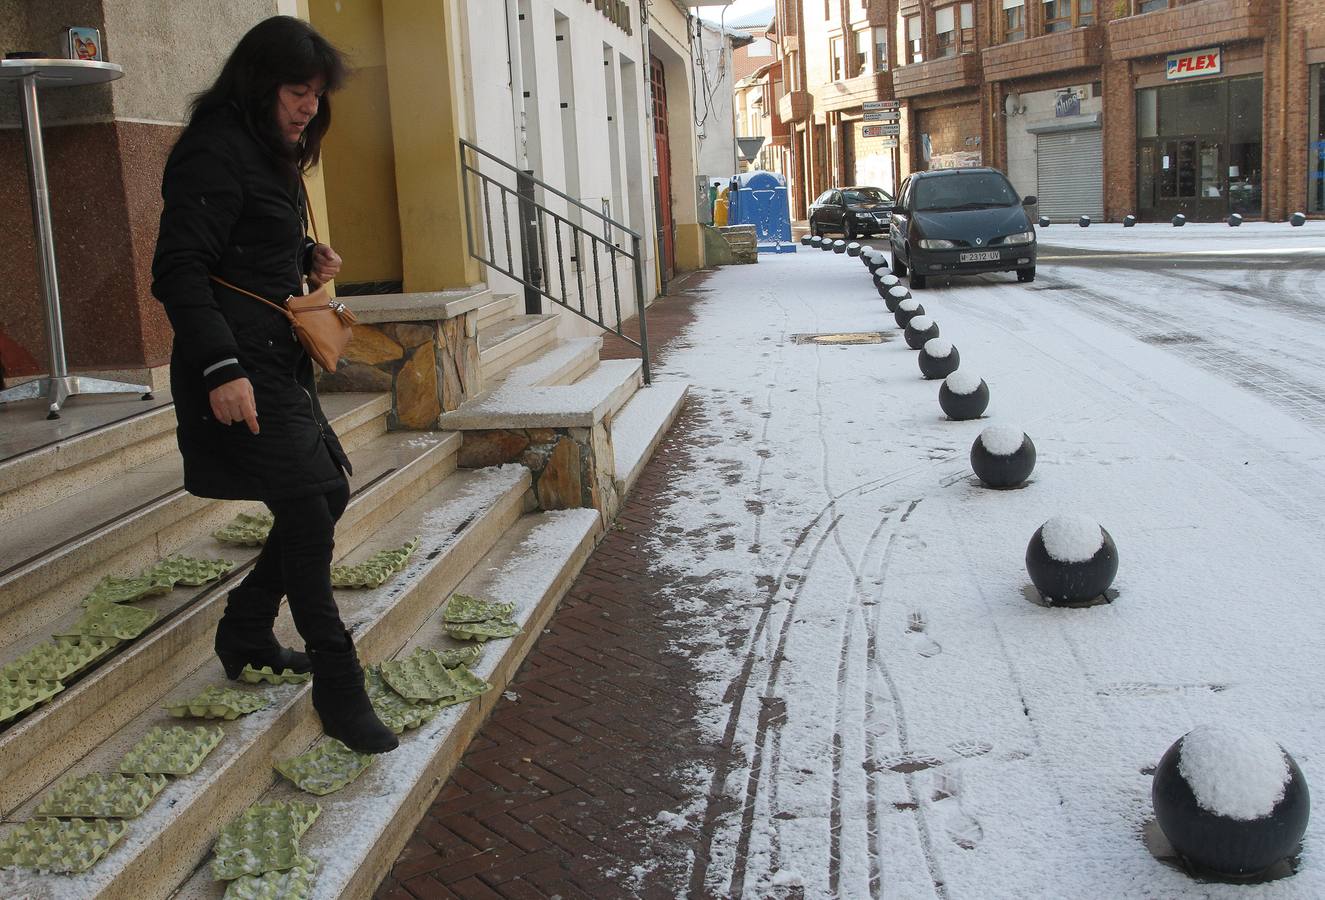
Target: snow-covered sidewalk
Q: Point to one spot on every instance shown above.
(909, 725)
(1195, 237)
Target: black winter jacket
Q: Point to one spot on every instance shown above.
(235, 211)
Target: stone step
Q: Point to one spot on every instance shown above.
(583, 404)
(458, 522)
(390, 474)
(510, 341)
(639, 427)
(124, 524)
(363, 827)
(499, 307)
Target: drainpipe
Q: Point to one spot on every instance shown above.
(1283, 106)
(515, 65)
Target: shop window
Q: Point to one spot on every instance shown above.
(915, 41)
(837, 58)
(880, 49)
(860, 64)
(1316, 143)
(1012, 21)
(954, 29)
(1064, 15)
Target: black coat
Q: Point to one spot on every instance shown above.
(232, 209)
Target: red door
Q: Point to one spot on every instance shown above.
(662, 181)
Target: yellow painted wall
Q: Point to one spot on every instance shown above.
(358, 153)
(689, 246)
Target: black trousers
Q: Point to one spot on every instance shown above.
(296, 562)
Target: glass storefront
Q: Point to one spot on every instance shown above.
(1316, 143)
(1199, 149)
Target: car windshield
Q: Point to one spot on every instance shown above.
(866, 195)
(975, 191)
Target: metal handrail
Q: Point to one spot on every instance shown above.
(532, 269)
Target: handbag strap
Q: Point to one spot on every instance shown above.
(308, 204)
(234, 287)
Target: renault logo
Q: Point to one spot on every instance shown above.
(979, 241)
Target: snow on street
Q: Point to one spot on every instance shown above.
(908, 724)
(1195, 237)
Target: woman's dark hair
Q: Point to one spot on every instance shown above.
(276, 51)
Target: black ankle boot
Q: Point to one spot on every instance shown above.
(343, 705)
(244, 635)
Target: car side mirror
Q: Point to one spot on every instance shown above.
(1030, 201)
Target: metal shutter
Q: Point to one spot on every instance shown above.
(1070, 166)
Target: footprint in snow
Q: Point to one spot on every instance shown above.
(1128, 689)
(923, 643)
(962, 828)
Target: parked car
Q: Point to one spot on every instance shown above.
(961, 222)
(851, 211)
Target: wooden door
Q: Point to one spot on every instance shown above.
(662, 181)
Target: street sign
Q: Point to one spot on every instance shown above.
(870, 131)
(876, 105)
(888, 142)
(883, 115)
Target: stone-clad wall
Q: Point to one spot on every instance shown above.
(571, 467)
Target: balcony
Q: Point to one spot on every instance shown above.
(1204, 23)
(839, 95)
(795, 105)
(951, 73)
(1078, 49)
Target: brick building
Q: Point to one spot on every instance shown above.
(1150, 107)
(757, 70)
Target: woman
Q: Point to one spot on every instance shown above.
(250, 426)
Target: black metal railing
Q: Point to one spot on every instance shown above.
(547, 238)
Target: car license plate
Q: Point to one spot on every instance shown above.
(979, 256)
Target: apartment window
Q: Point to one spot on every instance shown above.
(881, 49)
(1064, 15)
(1012, 21)
(1145, 6)
(954, 29)
(837, 58)
(860, 64)
(915, 40)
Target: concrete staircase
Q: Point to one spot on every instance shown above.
(110, 501)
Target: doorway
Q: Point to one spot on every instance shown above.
(662, 181)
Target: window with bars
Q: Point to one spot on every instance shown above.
(954, 29)
(915, 40)
(1011, 20)
(1064, 15)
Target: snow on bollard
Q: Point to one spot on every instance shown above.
(1003, 456)
(919, 330)
(907, 309)
(839, 246)
(963, 396)
(1071, 559)
(1230, 800)
(1297, 220)
(894, 297)
(826, 244)
(867, 255)
(1044, 222)
(1084, 221)
(853, 248)
(816, 241)
(805, 239)
(1129, 221)
(1235, 220)
(885, 281)
(878, 262)
(938, 358)
(1179, 220)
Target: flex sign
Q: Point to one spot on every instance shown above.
(1194, 64)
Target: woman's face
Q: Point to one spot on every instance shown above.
(296, 105)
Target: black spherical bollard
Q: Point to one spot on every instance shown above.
(1297, 220)
(1179, 220)
(1044, 222)
(805, 239)
(1003, 457)
(938, 358)
(1230, 800)
(816, 241)
(826, 244)
(1129, 221)
(839, 246)
(963, 396)
(884, 281)
(894, 297)
(1071, 559)
(1235, 220)
(907, 309)
(919, 330)
(1084, 221)
(867, 254)
(853, 249)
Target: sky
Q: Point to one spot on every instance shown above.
(736, 11)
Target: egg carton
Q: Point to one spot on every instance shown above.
(64, 846)
(464, 608)
(263, 859)
(469, 684)
(460, 656)
(190, 571)
(116, 589)
(17, 697)
(325, 769)
(395, 711)
(245, 530)
(482, 631)
(171, 750)
(110, 620)
(250, 675)
(59, 660)
(292, 884)
(374, 571)
(420, 676)
(101, 796)
(264, 838)
(218, 703)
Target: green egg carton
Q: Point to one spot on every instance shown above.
(172, 750)
(482, 631)
(374, 571)
(469, 684)
(190, 571)
(325, 769)
(264, 838)
(63, 846)
(420, 676)
(463, 608)
(395, 711)
(293, 884)
(17, 697)
(57, 661)
(460, 656)
(110, 620)
(245, 530)
(115, 589)
(250, 675)
(102, 796)
(219, 703)
(261, 859)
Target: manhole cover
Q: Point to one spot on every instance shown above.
(842, 337)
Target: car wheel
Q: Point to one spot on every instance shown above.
(1026, 275)
(918, 282)
(896, 266)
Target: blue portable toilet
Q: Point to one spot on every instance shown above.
(760, 199)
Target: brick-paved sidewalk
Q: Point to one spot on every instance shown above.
(560, 789)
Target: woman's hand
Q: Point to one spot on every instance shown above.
(233, 402)
(326, 265)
